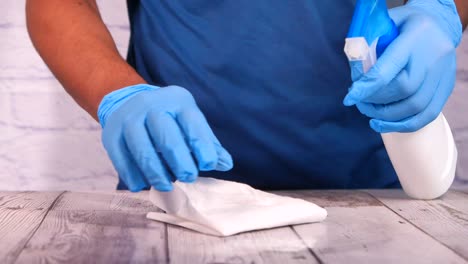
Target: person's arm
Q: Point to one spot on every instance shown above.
(168, 137)
(462, 8)
(74, 42)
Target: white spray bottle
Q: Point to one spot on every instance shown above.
(425, 160)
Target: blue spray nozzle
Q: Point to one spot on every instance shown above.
(371, 21)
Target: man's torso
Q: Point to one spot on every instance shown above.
(270, 76)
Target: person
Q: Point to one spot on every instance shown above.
(249, 91)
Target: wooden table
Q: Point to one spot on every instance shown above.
(378, 226)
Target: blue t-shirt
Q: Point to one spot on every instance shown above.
(270, 77)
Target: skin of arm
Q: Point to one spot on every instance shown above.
(79, 50)
(462, 8)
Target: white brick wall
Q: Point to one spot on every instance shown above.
(456, 112)
(48, 142)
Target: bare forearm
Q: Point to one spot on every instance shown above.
(76, 45)
(462, 7)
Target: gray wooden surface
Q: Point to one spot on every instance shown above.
(368, 226)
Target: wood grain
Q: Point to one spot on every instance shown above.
(370, 233)
(333, 198)
(444, 219)
(21, 213)
(457, 199)
(98, 228)
(111, 227)
(96, 237)
(114, 201)
(27, 200)
(280, 245)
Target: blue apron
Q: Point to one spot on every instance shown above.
(270, 76)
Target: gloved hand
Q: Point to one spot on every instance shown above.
(157, 135)
(408, 86)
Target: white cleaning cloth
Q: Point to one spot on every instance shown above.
(224, 208)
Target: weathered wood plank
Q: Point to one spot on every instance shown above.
(371, 234)
(96, 237)
(21, 213)
(27, 200)
(111, 227)
(98, 228)
(280, 245)
(334, 198)
(445, 219)
(114, 201)
(457, 199)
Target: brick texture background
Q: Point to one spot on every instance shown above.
(47, 142)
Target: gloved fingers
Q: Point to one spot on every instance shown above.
(398, 14)
(225, 162)
(145, 156)
(397, 111)
(416, 122)
(123, 162)
(387, 67)
(199, 138)
(410, 124)
(438, 84)
(169, 140)
(404, 108)
(357, 70)
(404, 85)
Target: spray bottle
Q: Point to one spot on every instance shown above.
(424, 160)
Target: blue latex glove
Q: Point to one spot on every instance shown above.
(157, 135)
(408, 86)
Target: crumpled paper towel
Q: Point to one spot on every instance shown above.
(224, 208)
